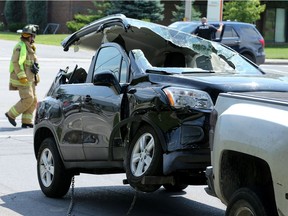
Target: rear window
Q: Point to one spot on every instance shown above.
(249, 30)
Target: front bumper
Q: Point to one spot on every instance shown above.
(186, 160)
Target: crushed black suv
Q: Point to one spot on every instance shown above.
(142, 108)
(242, 37)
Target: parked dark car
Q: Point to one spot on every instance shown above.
(142, 108)
(242, 37)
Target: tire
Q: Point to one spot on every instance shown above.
(144, 158)
(246, 202)
(53, 179)
(250, 57)
(175, 187)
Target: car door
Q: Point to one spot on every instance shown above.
(102, 104)
(70, 129)
(230, 37)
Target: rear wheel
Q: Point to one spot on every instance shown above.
(246, 202)
(54, 180)
(144, 158)
(250, 57)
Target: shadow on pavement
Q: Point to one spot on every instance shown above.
(106, 200)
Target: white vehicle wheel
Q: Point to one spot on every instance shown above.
(246, 202)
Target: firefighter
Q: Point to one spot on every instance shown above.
(24, 77)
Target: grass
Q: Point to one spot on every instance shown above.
(48, 39)
(273, 51)
(276, 51)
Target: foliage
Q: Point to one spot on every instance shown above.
(37, 13)
(13, 27)
(1, 26)
(13, 19)
(139, 9)
(243, 11)
(9, 11)
(80, 20)
(179, 14)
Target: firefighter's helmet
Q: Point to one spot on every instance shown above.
(30, 29)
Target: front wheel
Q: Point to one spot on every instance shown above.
(144, 158)
(246, 202)
(175, 187)
(53, 179)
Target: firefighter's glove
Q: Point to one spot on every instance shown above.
(23, 80)
(35, 68)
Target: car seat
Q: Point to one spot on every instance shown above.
(174, 59)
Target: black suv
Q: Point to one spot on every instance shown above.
(142, 108)
(242, 37)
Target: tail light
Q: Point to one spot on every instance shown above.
(262, 41)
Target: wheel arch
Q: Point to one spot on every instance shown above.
(240, 170)
(40, 135)
(249, 54)
(135, 125)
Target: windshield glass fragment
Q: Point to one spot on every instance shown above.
(200, 55)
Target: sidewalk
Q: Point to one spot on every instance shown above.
(276, 61)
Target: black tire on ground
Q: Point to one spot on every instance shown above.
(144, 158)
(175, 188)
(246, 202)
(53, 179)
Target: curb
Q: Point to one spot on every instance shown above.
(276, 61)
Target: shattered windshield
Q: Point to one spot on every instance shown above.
(200, 55)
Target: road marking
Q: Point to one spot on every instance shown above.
(18, 135)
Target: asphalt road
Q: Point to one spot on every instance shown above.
(104, 195)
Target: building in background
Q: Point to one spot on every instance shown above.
(273, 24)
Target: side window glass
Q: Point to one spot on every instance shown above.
(123, 74)
(108, 59)
(229, 32)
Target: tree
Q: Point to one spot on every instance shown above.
(139, 9)
(179, 14)
(13, 18)
(80, 20)
(243, 11)
(37, 13)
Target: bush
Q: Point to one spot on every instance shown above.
(79, 21)
(13, 27)
(1, 26)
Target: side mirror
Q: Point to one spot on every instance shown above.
(107, 79)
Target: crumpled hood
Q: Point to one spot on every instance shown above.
(134, 34)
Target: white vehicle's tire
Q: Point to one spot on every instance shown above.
(246, 202)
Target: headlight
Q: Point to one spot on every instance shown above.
(183, 97)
